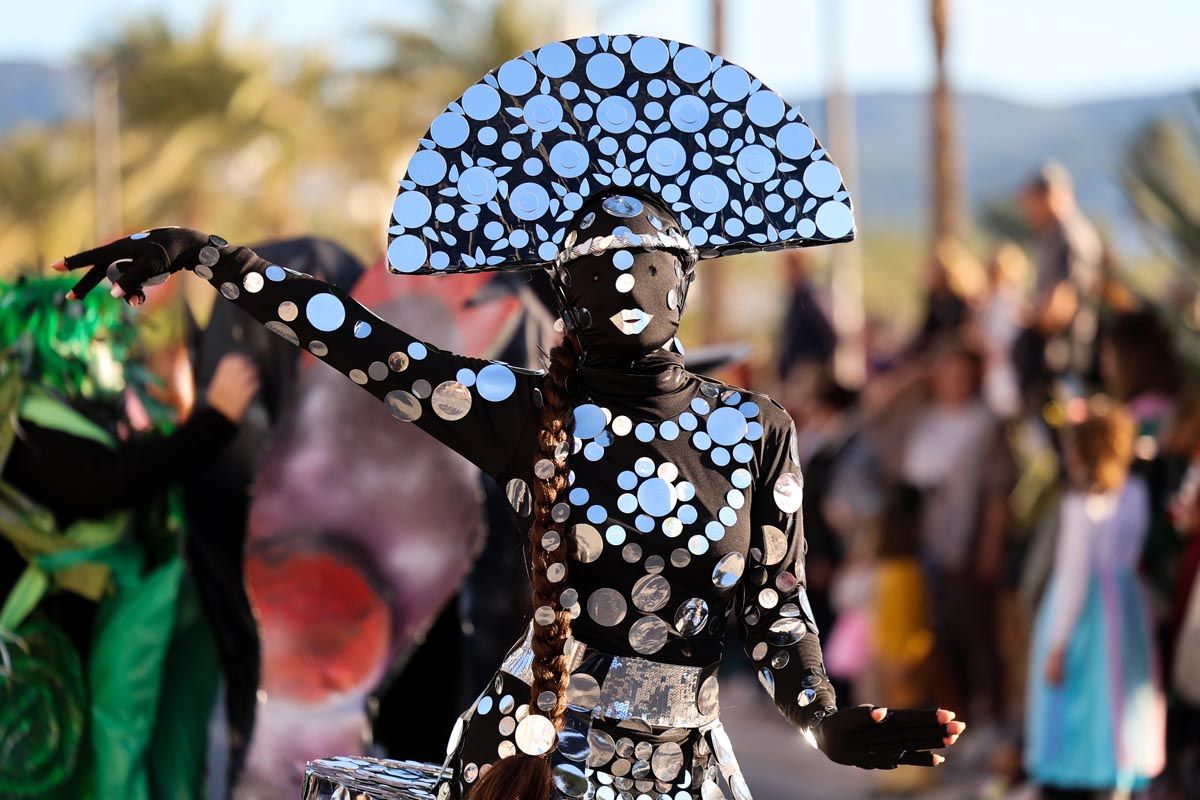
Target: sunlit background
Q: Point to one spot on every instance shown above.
(260, 118)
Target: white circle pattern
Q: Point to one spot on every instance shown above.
(507, 165)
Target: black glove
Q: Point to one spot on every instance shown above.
(853, 737)
(143, 259)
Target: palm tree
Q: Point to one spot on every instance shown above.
(1162, 180)
(944, 177)
(43, 195)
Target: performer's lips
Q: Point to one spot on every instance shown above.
(631, 321)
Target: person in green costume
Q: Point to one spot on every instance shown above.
(96, 606)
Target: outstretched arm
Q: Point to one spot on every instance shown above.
(782, 640)
(479, 408)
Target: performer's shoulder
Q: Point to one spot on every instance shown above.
(757, 406)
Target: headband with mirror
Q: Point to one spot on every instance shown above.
(503, 172)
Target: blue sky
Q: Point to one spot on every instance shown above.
(1040, 51)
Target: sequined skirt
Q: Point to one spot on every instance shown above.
(633, 727)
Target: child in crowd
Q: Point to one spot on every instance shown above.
(902, 633)
(1095, 716)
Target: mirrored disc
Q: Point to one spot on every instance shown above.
(455, 735)
(726, 426)
(650, 593)
(451, 400)
(775, 545)
(402, 405)
(535, 735)
(398, 361)
(656, 497)
(728, 571)
(648, 635)
(573, 745)
(583, 690)
(606, 606)
(325, 312)
(283, 331)
(789, 492)
(588, 543)
(786, 632)
(602, 747)
(667, 761)
(519, 496)
(589, 421)
(569, 780)
(287, 311)
(706, 698)
(691, 616)
(495, 382)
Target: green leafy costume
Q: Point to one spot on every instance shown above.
(72, 730)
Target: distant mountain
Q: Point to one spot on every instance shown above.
(32, 93)
(1003, 141)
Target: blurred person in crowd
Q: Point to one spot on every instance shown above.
(946, 310)
(806, 335)
(806, 338)
(99, 608)
(997, 320)
(954, 282)
(1183, 657)
(1095, 719)
(1068, 287)
(957, 456)
(1140, 367)
(902, 633)
(842, 490)
(217, 496)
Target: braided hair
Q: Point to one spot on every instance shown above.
(523, 776)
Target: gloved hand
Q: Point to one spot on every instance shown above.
(142, 259)
(876, 738)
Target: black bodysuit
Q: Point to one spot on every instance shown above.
(682, 515)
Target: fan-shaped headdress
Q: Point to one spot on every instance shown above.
(501, 173)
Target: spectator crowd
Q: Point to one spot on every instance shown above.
(1002, 520)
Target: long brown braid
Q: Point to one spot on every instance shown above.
(525, 777)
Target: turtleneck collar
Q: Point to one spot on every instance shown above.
(654, 386)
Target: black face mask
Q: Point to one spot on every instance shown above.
(624, 303)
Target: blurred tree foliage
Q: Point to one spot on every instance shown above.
(250, 140)
(1162, 180)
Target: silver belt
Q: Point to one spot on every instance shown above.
(633, 689)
